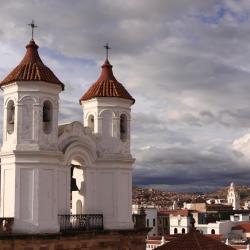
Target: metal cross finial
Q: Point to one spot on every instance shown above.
(33, 26)
(107, 50)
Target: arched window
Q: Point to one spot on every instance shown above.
(47, 117)
(10, 116)
(212, 231)
(91, 123)
(123, 127)
(175, 231)
(183, 230)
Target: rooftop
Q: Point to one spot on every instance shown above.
(245, 227)
(194, 241)
(107, 86)
(31, 68)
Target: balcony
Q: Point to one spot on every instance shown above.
(81, 222)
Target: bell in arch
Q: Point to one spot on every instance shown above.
(12, 115)
(46, 114)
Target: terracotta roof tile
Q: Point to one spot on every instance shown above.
(245, 227)
(107, 86)
(31, 68)
(181, 212)
(194, 241)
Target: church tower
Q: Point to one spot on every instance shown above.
(233, 197)
(29, 154)
(107, 112)
(106, 107)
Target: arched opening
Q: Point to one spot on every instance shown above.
(175, 231)
(123, 127)
(77, 190)
(47, 117)
(91, 123)
(183, 231)
(212, 231)
(10, 116)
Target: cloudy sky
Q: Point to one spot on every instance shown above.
(186, 62)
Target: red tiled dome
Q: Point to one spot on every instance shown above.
(107, 86)
(194, 240)
(31, 68)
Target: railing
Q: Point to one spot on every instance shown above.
(6, 225)
(80, 222)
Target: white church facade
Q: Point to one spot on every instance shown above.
(41, 159)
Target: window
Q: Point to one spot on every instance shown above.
(153, 222)
(175, 231)
(47, 117)
(212, 231)
(147, 222)
(91, 123)
(183, 230)
(123, 127)
(10, 116)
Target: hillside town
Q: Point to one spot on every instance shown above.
(224, 217)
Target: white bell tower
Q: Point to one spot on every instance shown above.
(29, 154)
(107, 112)
(233, 197)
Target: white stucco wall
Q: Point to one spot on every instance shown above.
(35, 172)
(180, 223)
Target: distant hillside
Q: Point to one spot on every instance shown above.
(165, 199)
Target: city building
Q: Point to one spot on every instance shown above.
(180, 221)
(150, 219)
(163, 222)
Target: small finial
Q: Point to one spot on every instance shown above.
(107, 50)
(33, 26)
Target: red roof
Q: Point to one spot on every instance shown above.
(31, 68)
(164, 212)
(166, 237)
(194, 241)
(107, 86)
(181, 212)
(245, 227)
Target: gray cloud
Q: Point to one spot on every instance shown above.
(186, 63)
(239, 118)
(184, 167)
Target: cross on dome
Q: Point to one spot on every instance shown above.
(106, 46)
(31, 68)
(33, 26)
